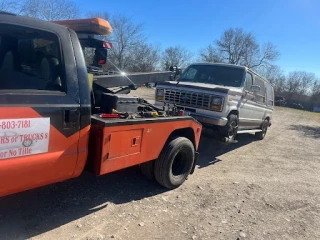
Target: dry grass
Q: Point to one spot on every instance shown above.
(307, 114)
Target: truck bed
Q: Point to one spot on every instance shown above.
(107, 122)
(116, 143)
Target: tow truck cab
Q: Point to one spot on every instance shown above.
(45, 114)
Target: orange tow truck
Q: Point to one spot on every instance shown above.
(56, 122)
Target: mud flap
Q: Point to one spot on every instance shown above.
(196, 157)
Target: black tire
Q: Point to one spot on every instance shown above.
(175, 162)
(147, 169)
(264, 128)
(231, 128)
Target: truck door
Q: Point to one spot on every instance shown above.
(39, 106)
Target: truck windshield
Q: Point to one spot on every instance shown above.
(211, 74)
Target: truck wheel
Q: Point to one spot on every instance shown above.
(147, 169)
(175, 162)
(231, 128)
(264, 128)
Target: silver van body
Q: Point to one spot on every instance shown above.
(211, 92)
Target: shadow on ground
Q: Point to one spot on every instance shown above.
(211, 149)
(308, 131)
(31, 213)
(28, 214)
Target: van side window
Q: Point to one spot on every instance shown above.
(260, 97)
(30, 59)
(270, 96)
(249, 82)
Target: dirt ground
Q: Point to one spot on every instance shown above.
(266, 189)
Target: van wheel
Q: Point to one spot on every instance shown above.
(264, 127)
(231, 128)
(147, 169)
(175, 162)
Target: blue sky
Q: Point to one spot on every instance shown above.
(292, 25)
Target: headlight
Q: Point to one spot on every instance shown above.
(160, 94)
(216, 103)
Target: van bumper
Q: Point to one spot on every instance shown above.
(210, 120)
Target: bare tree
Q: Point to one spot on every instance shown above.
(279, 85)
(145, 58)
(177, 55)
(236, 46)
(275, 75)
(265, 56)
(298, 84)
(102, 14)
(316, 87)
(50, 9)
(306, 82)
(315, 93)
(130, 51)
(209, 54)
(271, 73)
(9, 5)
(126, 37)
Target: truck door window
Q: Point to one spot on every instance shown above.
(248, 83)
(30, 59)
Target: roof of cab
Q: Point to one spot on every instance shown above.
(8, 13)
(8, 17)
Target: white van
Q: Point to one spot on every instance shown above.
(230, 98)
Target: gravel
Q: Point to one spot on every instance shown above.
(250, 190)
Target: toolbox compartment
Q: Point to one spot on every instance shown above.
(119, 102)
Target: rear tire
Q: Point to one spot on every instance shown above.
(264, 128)
(147, 169)
(175, 162)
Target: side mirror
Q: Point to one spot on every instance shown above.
(175, 69)
(255, 88)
